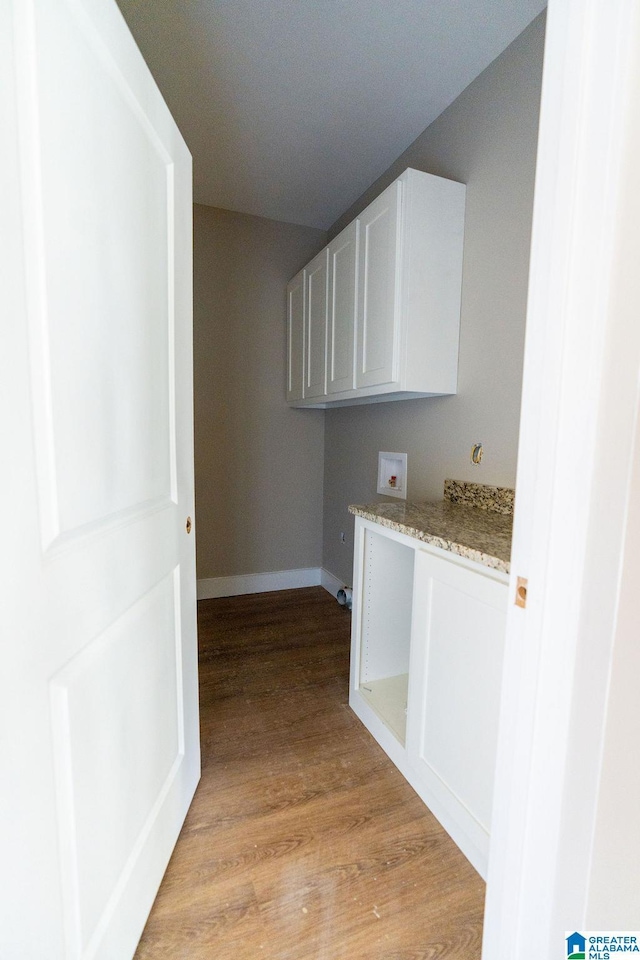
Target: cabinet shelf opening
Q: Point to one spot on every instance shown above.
(387, 598)
(388, 698)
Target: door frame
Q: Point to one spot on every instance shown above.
(574, 485)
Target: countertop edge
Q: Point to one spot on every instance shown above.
(450, 546)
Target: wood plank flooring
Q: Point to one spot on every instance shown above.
(303, 841)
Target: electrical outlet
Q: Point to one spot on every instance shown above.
(476, 453)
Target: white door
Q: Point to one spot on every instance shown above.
(316, 326)
(379, 290)
(296, 292)
(343, 299)
(98, 689)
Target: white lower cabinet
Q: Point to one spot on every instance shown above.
(426, 665)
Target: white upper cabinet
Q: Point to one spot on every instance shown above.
(393, 281)
(343, 300)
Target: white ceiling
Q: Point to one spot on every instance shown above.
(292, 108)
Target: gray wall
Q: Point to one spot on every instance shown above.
(487, 139)
(259, 464)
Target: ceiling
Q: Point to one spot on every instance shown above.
(292, 108)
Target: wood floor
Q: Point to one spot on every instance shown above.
(303, 841)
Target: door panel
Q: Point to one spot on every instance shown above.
(343, 298)
(109, 782)
(111, 300)
(379, 290)
(316, 326)
(462, 692)
(457, 654)
(296, 293)
(101, 677)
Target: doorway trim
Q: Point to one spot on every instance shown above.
(579, 409)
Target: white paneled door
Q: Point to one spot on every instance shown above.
(98, 678)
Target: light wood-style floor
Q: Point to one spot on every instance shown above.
(303, 841)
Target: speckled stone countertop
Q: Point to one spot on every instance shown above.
(480, 532)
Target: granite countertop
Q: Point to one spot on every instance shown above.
(473, 521)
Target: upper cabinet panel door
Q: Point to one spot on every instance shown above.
(343, 299)
(99, 668)
(296, 293)
(379, 290)
(315, 376)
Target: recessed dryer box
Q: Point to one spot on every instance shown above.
(392, 474)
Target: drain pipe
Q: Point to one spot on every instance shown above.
(343, 597)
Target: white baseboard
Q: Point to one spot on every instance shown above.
(329, 582)
(214, 587)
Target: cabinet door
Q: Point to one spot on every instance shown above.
(296, 294)
(343, 298)
(379, 290)
(459, 620)
(315, 371)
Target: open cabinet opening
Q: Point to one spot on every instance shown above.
(386, 630)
